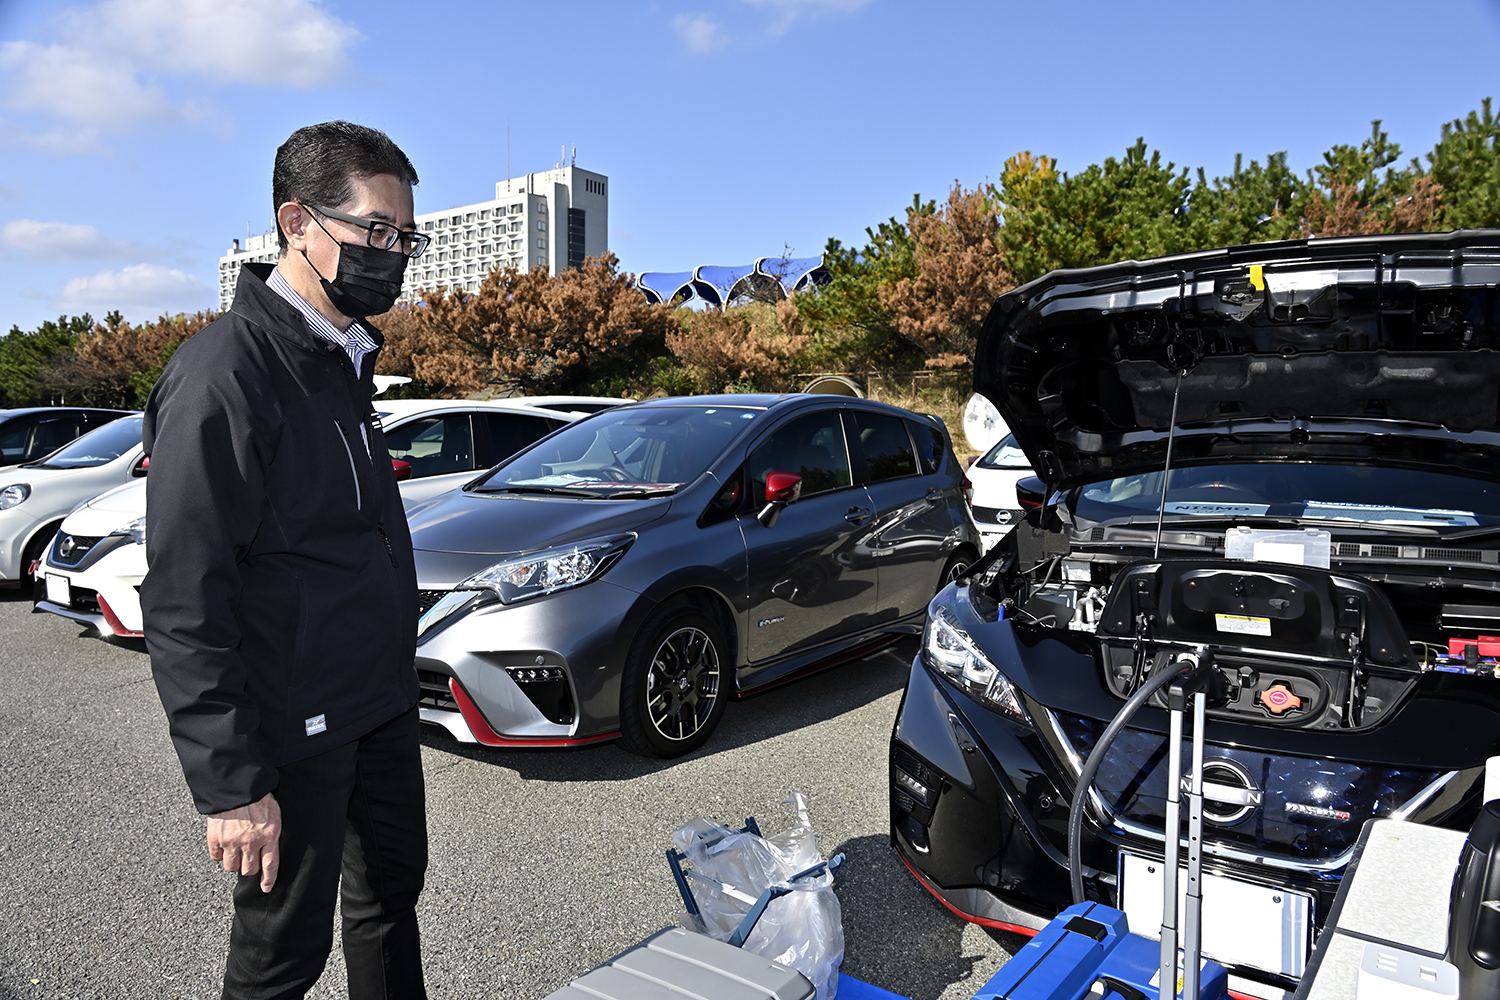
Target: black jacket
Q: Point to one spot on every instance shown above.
(280, 602)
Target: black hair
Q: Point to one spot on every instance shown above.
(318, 163)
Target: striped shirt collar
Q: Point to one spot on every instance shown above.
(356, 341)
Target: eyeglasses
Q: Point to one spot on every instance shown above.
(380, 235)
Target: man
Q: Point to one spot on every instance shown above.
(280, 600)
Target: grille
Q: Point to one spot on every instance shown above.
(914, 767)
(435, 691)
(76, 546)
(985, 516)
(1453, 555)
(426, 599)
(1298, 793)
(1097, 534)
(1348, 548)
(1385, 551)
(84, 599)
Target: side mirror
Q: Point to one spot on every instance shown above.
(782, 488)
(140, 468)
(1031, 492)
(402, 468)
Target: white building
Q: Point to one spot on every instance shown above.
(551, 219)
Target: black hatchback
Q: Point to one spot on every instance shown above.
(628, 574)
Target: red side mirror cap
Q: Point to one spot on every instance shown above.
(783, 487)
(403, 469)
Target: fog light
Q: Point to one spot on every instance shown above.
(912, 785)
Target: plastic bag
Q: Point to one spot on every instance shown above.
(803, 929)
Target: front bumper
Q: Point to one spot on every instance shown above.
(474, 667)
(104, 586)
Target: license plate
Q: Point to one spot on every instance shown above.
(59, 590)
(1243, 924)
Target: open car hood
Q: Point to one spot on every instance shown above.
(1365, 350)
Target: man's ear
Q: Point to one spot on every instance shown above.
(293, 220)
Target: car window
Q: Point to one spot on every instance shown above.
(500, 435)
(96, 447)
(930, 446)
(1006, 454)
(433, 445)
(623, 451)
(812, 446)
(51, 433)
(13, 437)
(887, 449)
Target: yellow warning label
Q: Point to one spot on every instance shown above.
(1258, 277)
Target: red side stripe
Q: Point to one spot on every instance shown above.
(484, 734)
(981, 921)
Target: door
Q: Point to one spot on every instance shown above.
(912, 520)
(811, 576)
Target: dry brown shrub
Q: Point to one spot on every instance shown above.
(749, 348)
(960, 271)
(531, 331)
(116, 364)
(1342, 212)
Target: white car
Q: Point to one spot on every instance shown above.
(93, 570)
(993, 477)
(36, 496)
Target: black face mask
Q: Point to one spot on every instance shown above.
(368, 281)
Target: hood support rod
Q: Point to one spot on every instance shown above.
(1166, 472)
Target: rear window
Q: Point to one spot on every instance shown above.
(887, 449)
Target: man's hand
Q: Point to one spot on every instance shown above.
(247, 840)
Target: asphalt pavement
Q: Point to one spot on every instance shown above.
(544, 864)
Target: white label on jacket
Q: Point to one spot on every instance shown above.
(316, 725)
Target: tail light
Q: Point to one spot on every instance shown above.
(968, 492)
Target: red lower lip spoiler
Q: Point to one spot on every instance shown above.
(475, 720)
(114, 620)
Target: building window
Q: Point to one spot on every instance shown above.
(484, 213)
(541, 244)
(575, 237)
(541, 207)
(541, 225)
(469, 217)
(485, 249)
(515, 210)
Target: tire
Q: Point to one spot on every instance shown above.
(961, 559)
(35, 549)
(676, 683)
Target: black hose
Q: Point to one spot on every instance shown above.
(1154, 684)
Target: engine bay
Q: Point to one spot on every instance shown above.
(1309, 628)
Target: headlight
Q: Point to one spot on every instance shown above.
(950, 651)
(135, 529)
(550, 570)
(14, 494)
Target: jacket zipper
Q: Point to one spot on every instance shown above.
(390, 552)
(358, 498)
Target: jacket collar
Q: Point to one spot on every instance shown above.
(263, 307)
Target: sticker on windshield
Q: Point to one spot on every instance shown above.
(1243, 624)
(1338, 511)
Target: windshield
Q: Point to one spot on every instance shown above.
(1005, 455)
(96, 447)
(1316, 492)
(622, 453)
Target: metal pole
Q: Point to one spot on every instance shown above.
(1194, 916)
(1168, 975)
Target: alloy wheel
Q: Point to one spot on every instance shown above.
(683, 683)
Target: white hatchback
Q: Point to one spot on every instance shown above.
(994, 476)
(36, 496)
(93, 569)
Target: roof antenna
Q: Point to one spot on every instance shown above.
(1166, 471)
(507, 153)
(575, 157)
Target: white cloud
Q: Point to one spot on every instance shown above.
(143, 291)
(697, 32)
(790, 10)
(62, 241)
(103, 74)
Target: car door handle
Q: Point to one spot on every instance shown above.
(857, 515)
(935, 497)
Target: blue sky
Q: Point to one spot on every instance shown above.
(136, 136)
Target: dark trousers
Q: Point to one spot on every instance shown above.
(358, 811)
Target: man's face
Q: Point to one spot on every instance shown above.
(383, 198)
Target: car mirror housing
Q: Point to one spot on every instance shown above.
(1030, 492)
(402, 469)
(782, 488)
(140, 468)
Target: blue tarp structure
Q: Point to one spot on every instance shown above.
(718, 286)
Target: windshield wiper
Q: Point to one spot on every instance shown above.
(632, 494)
(559, 491)
(1469, 534)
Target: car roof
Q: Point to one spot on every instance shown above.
(781, 402)
(20, 411)
(516, 404)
